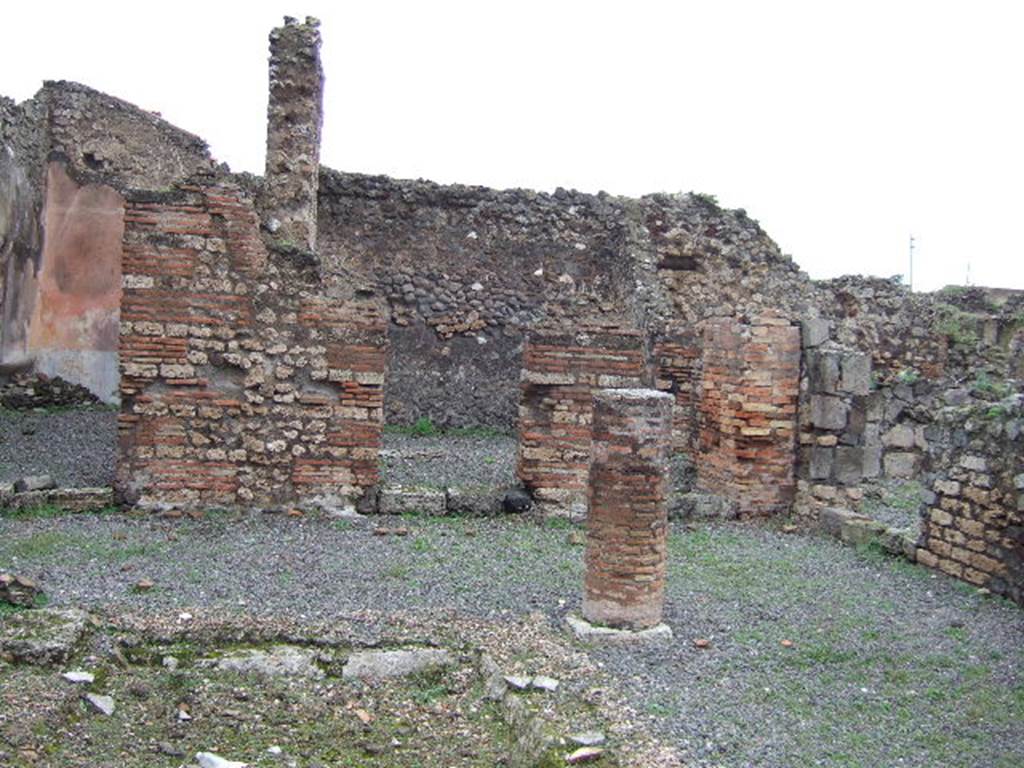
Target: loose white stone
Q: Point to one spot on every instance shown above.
(210, 760)
(545, 683)
(103, 704)
(78, 676)
(588, 738)
(519, 682)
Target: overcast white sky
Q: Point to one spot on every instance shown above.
(843, 127)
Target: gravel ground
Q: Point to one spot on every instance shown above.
(884, 663)
(78, 448)
(75, 446)
(447, 460)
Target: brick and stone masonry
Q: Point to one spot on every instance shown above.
(627, 520)
(678, 359)
(561, 371)
(974, 529)
(247, 377)
(750, 386)
(294, 121)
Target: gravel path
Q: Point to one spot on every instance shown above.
(885, 663)
(76, 447)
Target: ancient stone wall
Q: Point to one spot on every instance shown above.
(975, 523)
(748, 410)
(248, 377)
(561, 372)
(466, 270)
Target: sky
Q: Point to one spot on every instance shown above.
(843, 127)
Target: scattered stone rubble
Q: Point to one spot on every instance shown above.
(25, 392)
(19, 590)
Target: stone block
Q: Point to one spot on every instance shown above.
(900, 464)
(822, 460)
(382, 665)
(875, 406)
(855, 374)
(900, 436)
(859, 530)
(828, 412)
(927, 558)
(872, 461)
(814, 331)
(474, 502)
(831, 519)
(34, 483)
(824, 372)
(974, 463)
(397, 500)
(591, 633)
(849, 466)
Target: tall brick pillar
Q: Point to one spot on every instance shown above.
(627, 522)
(294, 119)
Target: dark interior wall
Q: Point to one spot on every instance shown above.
(22, 149)
(465, 270)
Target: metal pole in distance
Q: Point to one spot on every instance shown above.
(911, 264)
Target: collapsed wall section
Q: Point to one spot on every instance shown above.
(561, 372)
(748, 410)
(245, 379)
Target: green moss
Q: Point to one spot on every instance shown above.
(960, 327)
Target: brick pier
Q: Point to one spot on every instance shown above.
(628, 516)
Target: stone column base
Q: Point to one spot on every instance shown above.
(592, 633)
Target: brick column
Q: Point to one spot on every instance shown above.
(294, 120)
(628, 518)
